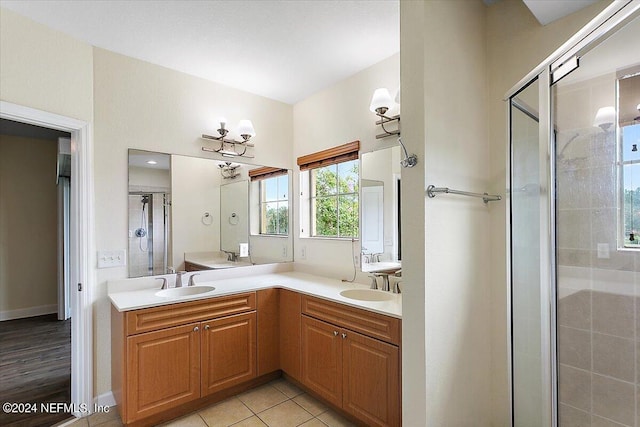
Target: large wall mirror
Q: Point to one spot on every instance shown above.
(380, 227)
(189, 213)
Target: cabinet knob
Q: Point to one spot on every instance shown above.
(344, 335)
(207, 327)
(335, 333)
(196, 329)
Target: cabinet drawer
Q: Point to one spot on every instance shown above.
(375, 325)
(149, 319)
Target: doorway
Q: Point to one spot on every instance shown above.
(81, 268)
(35, 325)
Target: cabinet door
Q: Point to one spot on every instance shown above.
(228, 352)
(322, 359)
(163, 370)
(371, 378)
(268, 330)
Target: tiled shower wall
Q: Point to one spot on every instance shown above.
(598, 301)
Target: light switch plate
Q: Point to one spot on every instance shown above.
(108, 259)
(603, 250)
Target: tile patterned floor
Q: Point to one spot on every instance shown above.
(277, 404)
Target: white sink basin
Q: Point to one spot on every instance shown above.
(367, 295)
(181, 292)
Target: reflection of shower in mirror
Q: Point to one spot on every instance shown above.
(141, 232)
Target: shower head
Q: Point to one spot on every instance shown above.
(144, 199)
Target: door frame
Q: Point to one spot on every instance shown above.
(82, 271)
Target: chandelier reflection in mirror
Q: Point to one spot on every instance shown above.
(229, 170)
(230, 147)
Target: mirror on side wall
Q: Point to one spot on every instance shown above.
(189, 213)
(380, 226)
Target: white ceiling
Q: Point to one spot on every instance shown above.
(284, 50)
(281, 49)
(547, 11)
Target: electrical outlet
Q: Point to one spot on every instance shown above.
(303, 252)
(603, 250)
(108, 259)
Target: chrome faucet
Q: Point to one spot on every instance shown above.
(191, 281)
(164, 282)
(179, 275)
(231, 256)
(374, 282)
(385, 280)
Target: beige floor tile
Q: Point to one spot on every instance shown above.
(192, 420)
(286, 388)
(100, 418)
(333, 419)
(311, 405)
(110, 423)
(314, 422)
(80, 422)
(286, 414)
(262, 398)
(251, 422)
(225, 413)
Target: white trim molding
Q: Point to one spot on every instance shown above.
(21, 313)
(81, 244)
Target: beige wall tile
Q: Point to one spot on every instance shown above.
(574, 347)
(613, 399)
(574, 257)
(574, 229)
(614, 357)
(575, 310)
(575, 387)
(572, 417)
(597, 421)
(613, 314)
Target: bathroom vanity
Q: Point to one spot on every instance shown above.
(172, 356)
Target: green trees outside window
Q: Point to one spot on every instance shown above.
(334, 200)
(274, 205)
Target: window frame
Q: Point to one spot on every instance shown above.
(336, 196)
(262, 203)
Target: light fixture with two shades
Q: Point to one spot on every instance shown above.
(231, 147)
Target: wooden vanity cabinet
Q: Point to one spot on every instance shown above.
(356, 371)
(164, 357)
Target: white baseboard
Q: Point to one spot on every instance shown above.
(105, 399)
(28, 312)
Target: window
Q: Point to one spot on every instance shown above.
(329, 183)
(334, 200)
(274, 205)
(630, 179)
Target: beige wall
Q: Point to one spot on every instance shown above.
(335, 116)
(28, 224)
(44, 69)
(195, 189)
(446, 291)
(516, 43)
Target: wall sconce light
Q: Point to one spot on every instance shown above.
(381, 103)
(605, 117)
(229, 170)
(231, 147)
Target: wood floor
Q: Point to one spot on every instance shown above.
(35, 367)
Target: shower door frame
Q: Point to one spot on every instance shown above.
(603, 25)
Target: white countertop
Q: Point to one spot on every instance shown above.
(322, 287)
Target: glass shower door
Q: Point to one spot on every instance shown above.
(526, 299)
